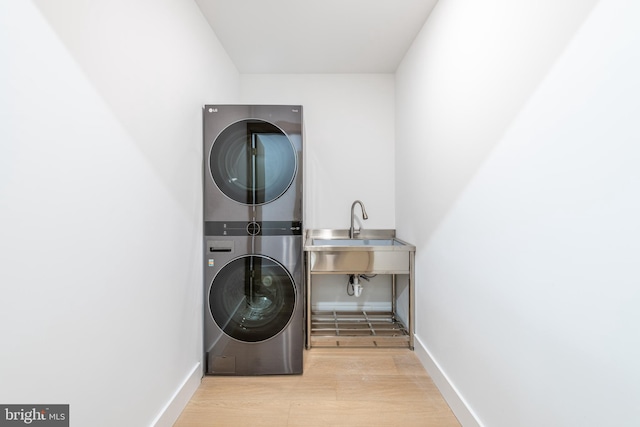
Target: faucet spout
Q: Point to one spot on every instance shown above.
(352, 231)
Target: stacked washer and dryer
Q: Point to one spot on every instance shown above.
(253, 263)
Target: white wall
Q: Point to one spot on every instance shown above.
(518, 121)
(100, 204)
(349, 141)
(349, 152)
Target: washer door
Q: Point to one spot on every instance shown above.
(253, 162)
(252, 298)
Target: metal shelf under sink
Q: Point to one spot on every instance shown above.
(358, 329)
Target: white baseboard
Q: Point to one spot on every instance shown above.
(179, 400)
(458, 405)
(351, 306)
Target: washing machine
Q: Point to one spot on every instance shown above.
(254, 305)
(253, 163)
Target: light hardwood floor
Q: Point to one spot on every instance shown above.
(339, 387)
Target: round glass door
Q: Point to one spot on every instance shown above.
(252, 162)
(252, 298)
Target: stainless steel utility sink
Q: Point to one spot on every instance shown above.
(370, 252)
(373, 251)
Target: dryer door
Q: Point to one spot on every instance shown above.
(252, 298)
(252, 162)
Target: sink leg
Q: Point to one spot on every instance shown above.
(412, 293)
(394, 307)
(308, 300)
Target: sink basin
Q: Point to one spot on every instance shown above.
(373, 251)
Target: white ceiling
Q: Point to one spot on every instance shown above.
(322, 36)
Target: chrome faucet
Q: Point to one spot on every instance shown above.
(353, 232)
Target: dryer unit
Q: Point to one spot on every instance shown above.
(254, 305)
(253, 163)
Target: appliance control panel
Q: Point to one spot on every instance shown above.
(252, 228)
